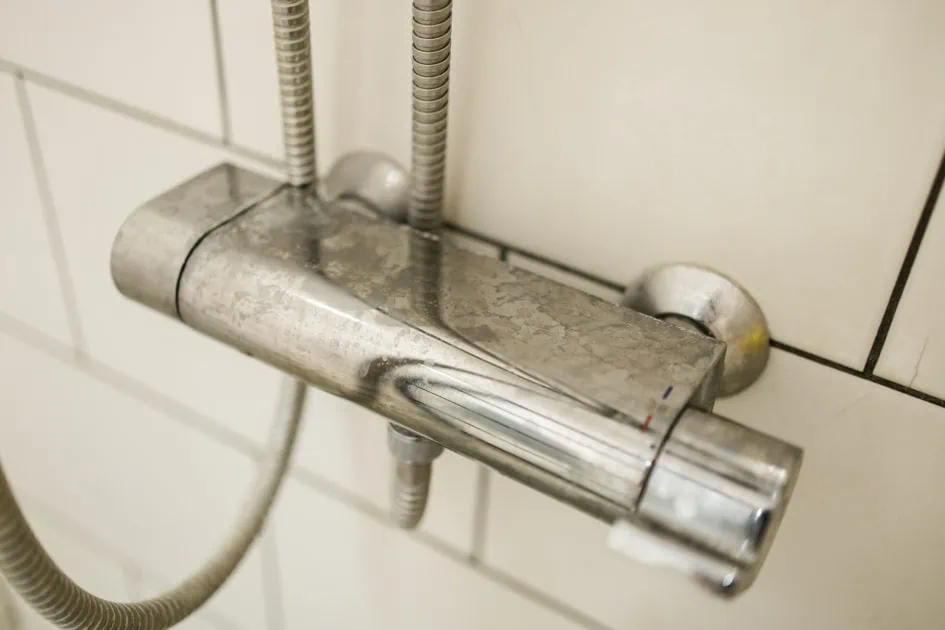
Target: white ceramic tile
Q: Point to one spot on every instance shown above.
(860, 546)
(342, 570)
(359, 85)
(565, 277)
(347, 445)
(790, 144)
(157, 491)
(914, 353)
(101, 167)
(29, 285)
(156, 55)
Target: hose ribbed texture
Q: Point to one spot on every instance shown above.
(431, 75)
(34, 575)
(290, 24)
(411, 488)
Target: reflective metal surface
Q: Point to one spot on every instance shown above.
(292, 39)
(432, 35)
(153, 244)
(374, 179)
(724, 487)
(697, 298)
(555, 388)
(413, 470)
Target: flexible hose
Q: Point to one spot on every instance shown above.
(35, 576)
(411, 491)
(431, 76)
(290, 25)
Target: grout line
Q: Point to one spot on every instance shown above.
(907, 263)
(872, 378)
(480, 515)
(273, 601)
(220, 64)
(361, 505)
(505, 249)
(136, 113)
(130, 387)
(542, 599)
(50, 219)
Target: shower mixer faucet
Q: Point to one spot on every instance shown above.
(595, 404)
(605, 407)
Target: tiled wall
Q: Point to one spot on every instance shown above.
(796, 145)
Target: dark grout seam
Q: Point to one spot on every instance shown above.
(57, 244)
(216, 34)
(872, 378)
(906, 269)
(129, 386)
(135, 113)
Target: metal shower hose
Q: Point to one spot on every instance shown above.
(34, 575)
(24, 562)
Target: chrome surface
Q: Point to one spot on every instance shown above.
(413, 471)
(695, 297)
(430, 89)
(560, 390)
(723, 487)
(154, 243)
(373, 179)
(296, 99)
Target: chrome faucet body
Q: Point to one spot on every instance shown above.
(597, 405)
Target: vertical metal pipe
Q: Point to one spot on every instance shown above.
(431, 75)
(290, 26)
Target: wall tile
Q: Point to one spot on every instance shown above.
(156, 55)
(161, 494)
(789, 144)
(29, 285)
(343, 570)
(859, 548)
(914, 354)
(347, 445)
(101, 167)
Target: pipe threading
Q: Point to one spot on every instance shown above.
(431, 74)
(290, 24)
(43, 585)
(411, 489)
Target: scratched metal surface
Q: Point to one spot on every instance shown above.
(154, 242)
(597, 351)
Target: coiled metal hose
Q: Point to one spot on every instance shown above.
(43, 585)
(290, 26)
(431, 75)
